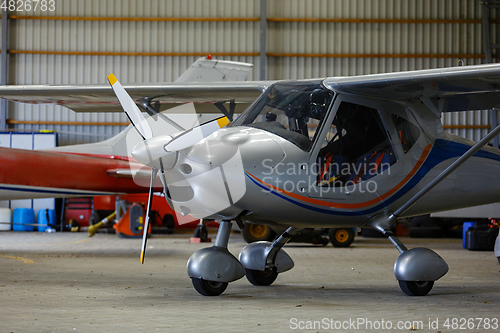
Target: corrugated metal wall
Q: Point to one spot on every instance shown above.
(120, 36)
(371, 39)
(360, 47)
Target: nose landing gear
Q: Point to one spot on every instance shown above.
(212, 268)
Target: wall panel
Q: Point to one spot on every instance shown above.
(456, 37)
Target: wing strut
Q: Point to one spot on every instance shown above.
(468, 154)
(417, 269)
(153, 110)
(229, 114)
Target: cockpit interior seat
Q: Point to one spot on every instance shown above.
(370, 165)
(330, 167)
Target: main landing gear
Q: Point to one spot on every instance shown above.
(416, 269)
(211, 269)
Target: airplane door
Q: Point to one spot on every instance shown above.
(352, 148)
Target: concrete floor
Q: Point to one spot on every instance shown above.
(69, 282)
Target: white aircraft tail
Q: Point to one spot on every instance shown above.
(208, 70)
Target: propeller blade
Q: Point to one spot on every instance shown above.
(148, 214)
(133, 113)
(195, 134)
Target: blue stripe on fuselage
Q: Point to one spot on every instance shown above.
(442, 150)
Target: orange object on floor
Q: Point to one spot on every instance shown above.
(131, 225)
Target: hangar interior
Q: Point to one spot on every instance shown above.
(81, 42)
(75, 283)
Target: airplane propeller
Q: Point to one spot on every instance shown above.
(191, 136)
(158, 152)
(133, 113)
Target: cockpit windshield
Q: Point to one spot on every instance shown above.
(293, 111)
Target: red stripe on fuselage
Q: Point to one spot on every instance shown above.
(339, 205)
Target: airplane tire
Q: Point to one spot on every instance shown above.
(257, 232)
(169, 223)
(201, 232)
(209, 288)
(261, 278)
(416, 288)
(341, 237)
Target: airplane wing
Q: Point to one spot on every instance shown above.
(450, 89)
(89, 98)
(226, 84)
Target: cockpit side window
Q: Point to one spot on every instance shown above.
(355, 149)
(407, 132)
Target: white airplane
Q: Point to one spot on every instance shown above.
(332, 152)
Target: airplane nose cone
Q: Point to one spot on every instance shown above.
(152, 153)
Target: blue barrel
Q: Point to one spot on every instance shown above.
(465, 227)
(23, 219)
(46, 219)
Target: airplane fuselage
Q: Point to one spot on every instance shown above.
(264, 177)
(26, 174)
